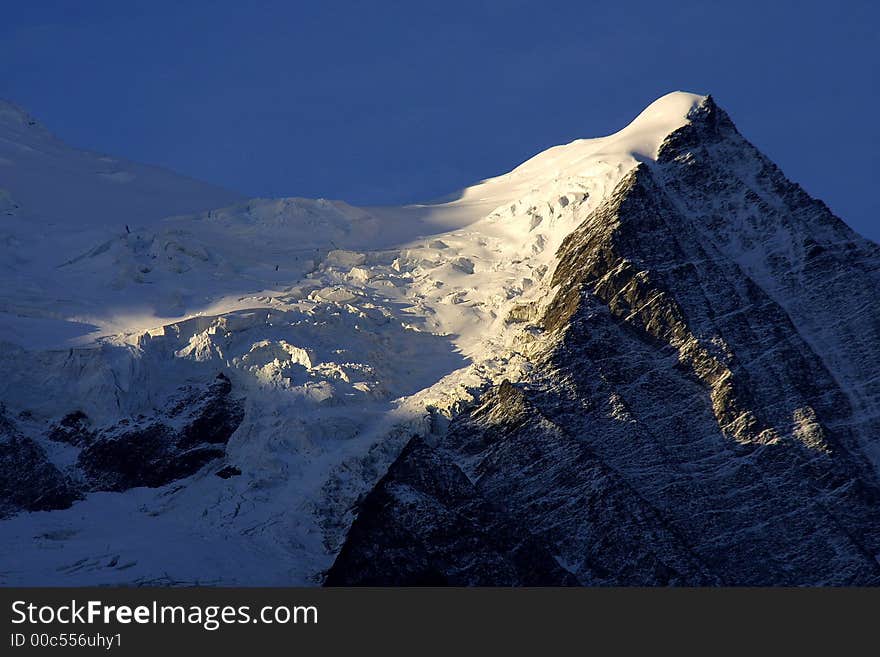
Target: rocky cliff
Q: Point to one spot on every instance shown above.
(701, 406)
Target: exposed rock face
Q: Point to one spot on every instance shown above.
(28, 480)
(135, 452)
(162, 449)
(228, 471)
(73, 429)
(819, 273)
(420, 521)
(703, 407)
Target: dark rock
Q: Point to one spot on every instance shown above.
(215, 416)
(228, 471)
(425, 524)
(28, 480)
(73, 429)
(154, 452)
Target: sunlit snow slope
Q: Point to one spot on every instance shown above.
(91, 257)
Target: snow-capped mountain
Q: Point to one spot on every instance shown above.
(646, 358)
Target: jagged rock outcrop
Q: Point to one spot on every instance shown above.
(418, 523)
(146, 451)
(157, 450)
(75, 429)
(701, 403)
(28, 480)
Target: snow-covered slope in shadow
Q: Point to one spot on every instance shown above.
(57, 201)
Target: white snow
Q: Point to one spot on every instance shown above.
(347, 329)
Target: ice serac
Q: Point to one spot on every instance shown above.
(701, 403)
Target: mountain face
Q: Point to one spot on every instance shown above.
(691, 417)
(643, 359)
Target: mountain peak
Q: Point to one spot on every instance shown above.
(643, 137)
(603, 159)
(670, 109)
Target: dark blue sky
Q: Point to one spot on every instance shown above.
(387, 101)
